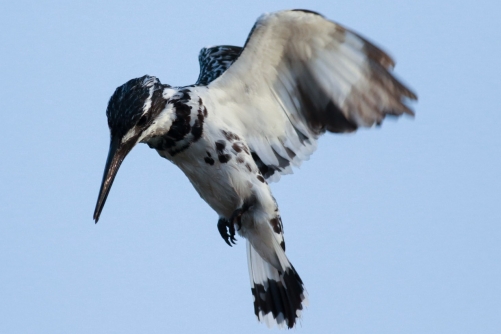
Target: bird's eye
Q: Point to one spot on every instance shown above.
(142, 120)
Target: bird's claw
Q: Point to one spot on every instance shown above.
(236, 217)
(224, 226)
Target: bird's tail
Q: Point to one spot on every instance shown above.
(279, 296)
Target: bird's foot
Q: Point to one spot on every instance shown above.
(227, 230)
(226, 227)
(236, 217)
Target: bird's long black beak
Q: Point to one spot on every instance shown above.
(118, 152)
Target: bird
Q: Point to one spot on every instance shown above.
(254, 113)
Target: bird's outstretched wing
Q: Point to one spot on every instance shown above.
(300, 75)
(214, 61)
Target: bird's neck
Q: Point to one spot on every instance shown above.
(180, 123)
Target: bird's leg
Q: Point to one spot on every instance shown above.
(236, 217)
(226, 227)
(224, 224)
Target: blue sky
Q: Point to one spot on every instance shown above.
(393, 230)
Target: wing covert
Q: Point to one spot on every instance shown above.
(214, 61)
(300, 75)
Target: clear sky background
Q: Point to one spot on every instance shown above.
(393, 230)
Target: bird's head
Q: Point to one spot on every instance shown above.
(132, 111)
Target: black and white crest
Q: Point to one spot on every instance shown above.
(130, 102)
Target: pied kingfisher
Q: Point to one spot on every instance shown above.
(254, 112)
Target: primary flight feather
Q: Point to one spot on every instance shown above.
(254, 112)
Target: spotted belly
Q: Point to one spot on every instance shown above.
(215, 175)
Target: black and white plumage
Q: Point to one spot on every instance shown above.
(254, 113)
(214, 61)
